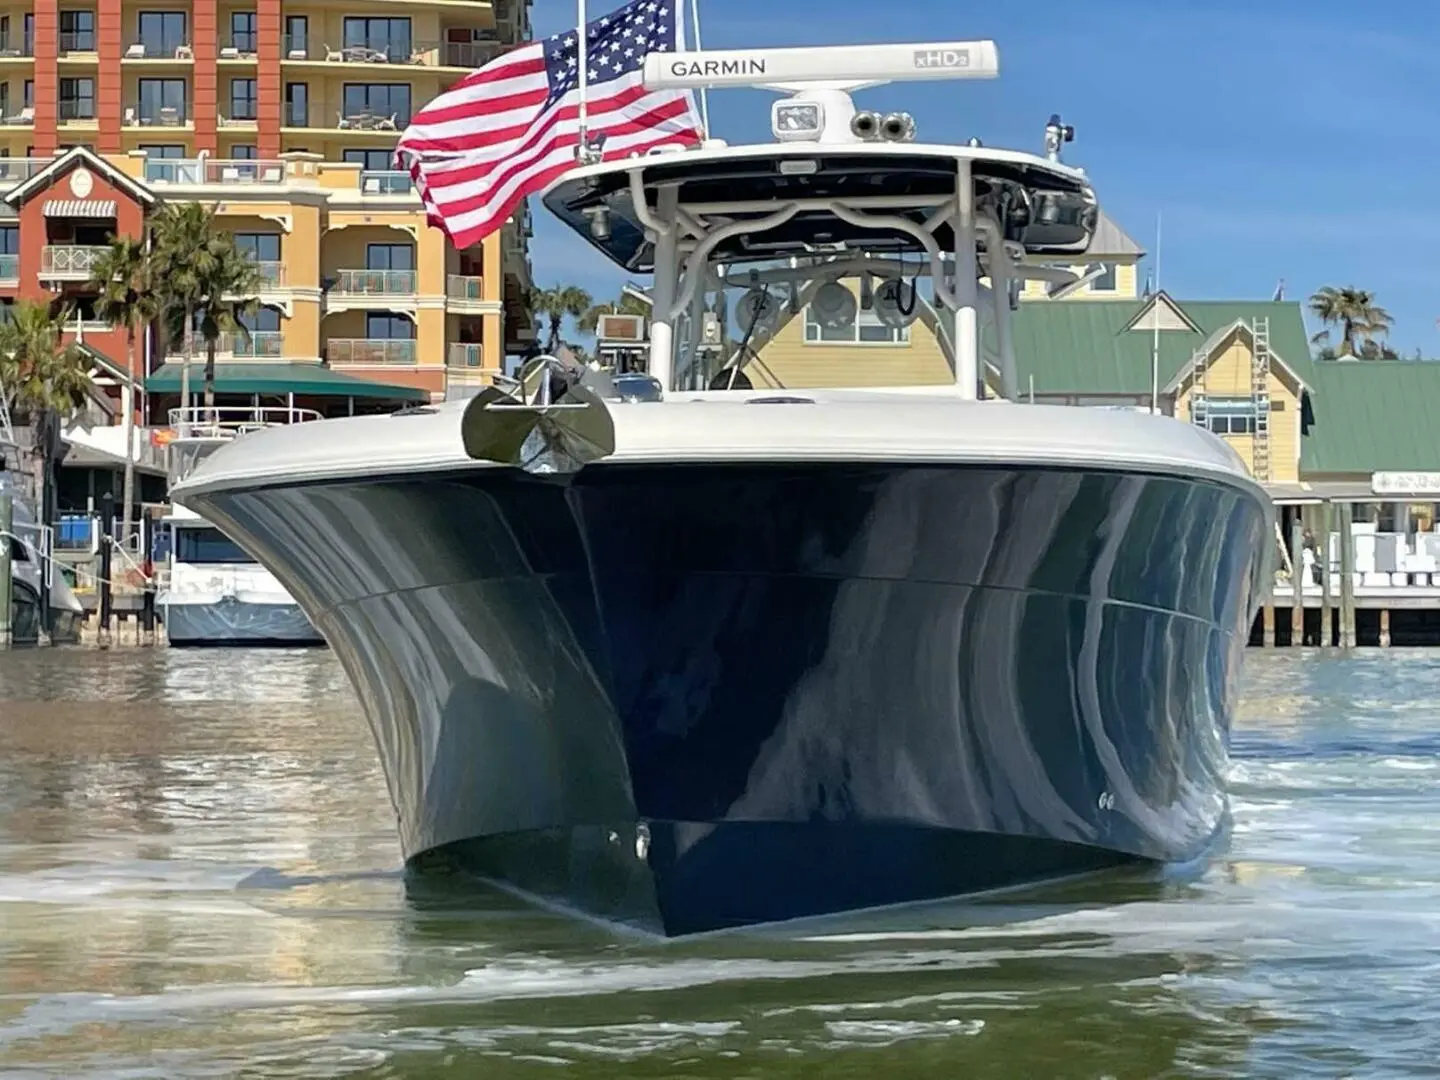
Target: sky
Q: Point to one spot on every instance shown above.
(1266, 138)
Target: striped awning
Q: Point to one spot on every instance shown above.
(81, 208)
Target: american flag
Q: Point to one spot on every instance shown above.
(512, 127)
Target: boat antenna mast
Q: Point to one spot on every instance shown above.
(818, 109)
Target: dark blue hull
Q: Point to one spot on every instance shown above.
(698, 697)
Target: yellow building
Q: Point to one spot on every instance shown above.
(1091, 343)
(284, 116)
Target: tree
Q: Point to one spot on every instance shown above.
(556, 303)
(199, 274)
(628, 304)
(122, 276)
(1354, 310)
(47, 378)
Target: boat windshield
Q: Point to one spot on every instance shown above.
(758, 314)
(207, 545)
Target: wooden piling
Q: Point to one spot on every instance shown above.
(1327, 624)
(106, 607)
(7, 526)
(1297, 582)
(1384, 628)
(1267, 618)
(1347, 576)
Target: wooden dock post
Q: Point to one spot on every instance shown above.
(1327, 625)
(7, 525)
(1347, 576)
(1384, 628)
(105, 609)
(1297, 582)
(1267, 624)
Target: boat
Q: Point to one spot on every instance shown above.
(33, 576)
(215, 593)
(684, 659)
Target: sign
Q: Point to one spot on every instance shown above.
(1405, 483)
(942, 58)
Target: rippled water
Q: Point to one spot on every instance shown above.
(198, 878)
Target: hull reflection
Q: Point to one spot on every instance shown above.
(688, 698)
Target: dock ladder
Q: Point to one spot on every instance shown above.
(1199, 395)
(1260, 398)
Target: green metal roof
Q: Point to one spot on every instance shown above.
(312, 379)
(1372, 416)
(1082, 346)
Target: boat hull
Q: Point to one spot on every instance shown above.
(231, 620)
(693, 697)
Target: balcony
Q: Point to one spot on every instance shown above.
(256, 345)
(9, 267)
(158, 49)
(78, 41)
(470, 355)
(69, 262)
(213, 171)
(73, 112)
(335, 118)
(387, 284)
(369, 351)
(373, 182)
(17, 170)
(165, 116)
(13, 47)
(271, 274)
(24, 118)
(242, 49)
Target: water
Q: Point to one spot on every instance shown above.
(199, 878)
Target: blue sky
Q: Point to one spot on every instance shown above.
(1276, 138)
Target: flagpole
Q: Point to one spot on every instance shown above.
(704, 94)
(1155, 329)
(581, 57)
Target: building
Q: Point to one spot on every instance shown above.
(283, 117)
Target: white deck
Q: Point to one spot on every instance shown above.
(830, 426)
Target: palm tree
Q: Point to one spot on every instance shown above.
(122, 277)
(556, 303)
(47, 378)
(628, 304)
(198, 270)
(1356, 313)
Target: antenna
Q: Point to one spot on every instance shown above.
(820, 80)
(1155, 330)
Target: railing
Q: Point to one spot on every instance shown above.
(9, 267)
(165, 116)
(374, 283)
(69, 260)
(12, 47)
(239, 47)
(161, 49)
(467, 54)
(370, 351)
(272, 274)
(213, 171)
(464, 287)
(230, 421)
(335, 118)
(466, 355)
(374, 182)
(258, 344)
(24, 118)
(77, 41)
(75, 110)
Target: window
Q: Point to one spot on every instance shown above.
(263, 320)
(243, 152)
(382, 326)
(242, 99)
(242, 31)
(9, 240)
(297, 36)
(1106, 281)
(297, 104)
(162, 32)
(162, 101)
(372, 160)
(163, 152)
(77, 99)
(389, 257)
(381, 35)
(378, 99)
(207, 545)
(29, 94)
(262, 247)
(77, 31)
(1228, 415)
(865, 330)
(5, 98)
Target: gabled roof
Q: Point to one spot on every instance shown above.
(1372, 416)
(1162, 298)
(71, 159)
(1083, 346)
(1109, 239)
